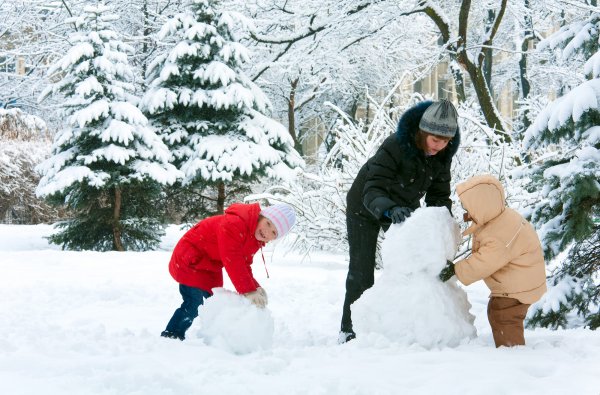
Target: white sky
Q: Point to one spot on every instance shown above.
(89, 323)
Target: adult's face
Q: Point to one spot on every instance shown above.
(434, 144)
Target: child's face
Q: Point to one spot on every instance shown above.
(265, 230)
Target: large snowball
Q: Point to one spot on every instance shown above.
(408, 303)
(230, 322)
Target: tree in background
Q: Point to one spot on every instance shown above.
(474, 58)
(139, 21)
(566, 174)
(208, 111)
(307, 57)
(24, 144)
(319, 194)
(26, 40)
(107, 165)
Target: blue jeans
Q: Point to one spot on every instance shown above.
(184, 316)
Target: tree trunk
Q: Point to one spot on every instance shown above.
(444, 29)
(117, 242)
(525, 87)
(146, 37)
(524, 82)
(458, 51)
(292, 114)
(459, 82)
(221, 197)
(486, 102)
(488, 54)
(475, 69)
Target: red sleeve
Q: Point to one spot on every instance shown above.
(231, 236)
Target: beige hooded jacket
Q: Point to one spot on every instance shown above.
(506, 251)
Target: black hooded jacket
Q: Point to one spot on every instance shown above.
(400, 174)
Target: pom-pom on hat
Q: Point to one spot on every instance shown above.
(282, 215)
(440, 118)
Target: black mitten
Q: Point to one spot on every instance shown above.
(399, 214)
(447, 272)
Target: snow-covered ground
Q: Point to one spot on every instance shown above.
(89, 323)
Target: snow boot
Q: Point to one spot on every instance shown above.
(172, 335)
(345, 337)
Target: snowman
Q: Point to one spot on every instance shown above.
(408, 303)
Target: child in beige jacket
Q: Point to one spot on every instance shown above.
(506, 254)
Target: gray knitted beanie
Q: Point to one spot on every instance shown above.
(440, 118)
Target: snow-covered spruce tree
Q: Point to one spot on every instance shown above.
(212, 116)
(566, 177)
(107, 165)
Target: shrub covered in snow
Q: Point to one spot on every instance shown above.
(23, 145)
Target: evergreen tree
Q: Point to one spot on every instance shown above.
(210, 113)
(566, 177)
(107, 164)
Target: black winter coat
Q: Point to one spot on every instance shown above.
(400, 174)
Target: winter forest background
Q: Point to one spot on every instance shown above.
(118, 118)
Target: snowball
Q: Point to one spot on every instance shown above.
(230, 322)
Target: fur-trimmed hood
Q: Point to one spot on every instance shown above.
(407, 129)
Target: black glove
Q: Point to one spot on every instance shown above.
(399, 214)
(447, 272)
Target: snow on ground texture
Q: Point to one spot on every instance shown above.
(409, 304)
(89, 323)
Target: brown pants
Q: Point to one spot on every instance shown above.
(506, 317)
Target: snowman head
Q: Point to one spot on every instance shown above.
(422, 243)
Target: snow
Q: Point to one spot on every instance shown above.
(93, 112)
(582, 162)
(69, 175)
(592, 66)
(592, 135)
(557, 294)
(576, 33)
(564, 109)
(73, 56)
(30, 124)
(89, 322)
(216, 71)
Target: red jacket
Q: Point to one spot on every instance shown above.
(223, 241)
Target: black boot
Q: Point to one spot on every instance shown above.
(172, 335)
(345, 337)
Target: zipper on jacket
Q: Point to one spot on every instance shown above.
(516, 234)
(264, 262)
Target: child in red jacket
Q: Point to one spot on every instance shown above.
(223, 241)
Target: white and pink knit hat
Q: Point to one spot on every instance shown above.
(282, 216)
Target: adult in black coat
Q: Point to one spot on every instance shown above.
(411, 164)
